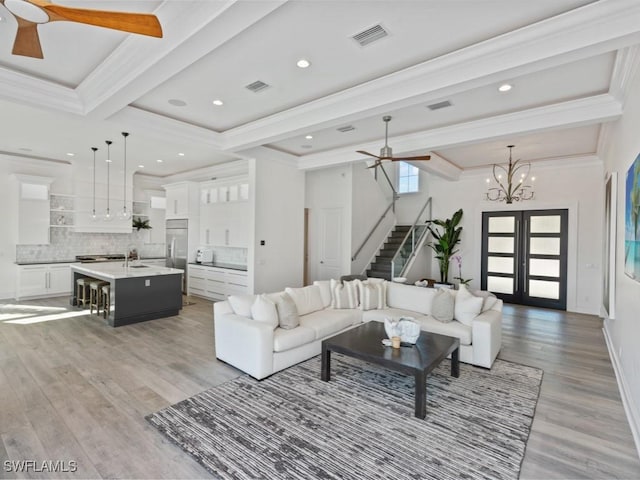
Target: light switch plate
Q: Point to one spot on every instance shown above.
(147, 282)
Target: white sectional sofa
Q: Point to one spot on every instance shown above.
(255, 343)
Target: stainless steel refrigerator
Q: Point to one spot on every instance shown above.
(177, 247)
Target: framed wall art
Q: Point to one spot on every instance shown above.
(632, 222)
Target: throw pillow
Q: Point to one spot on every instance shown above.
(353, 287)
(287, 312)
(325, 292)
(343, 295)
(489, 299)
(467, 306)
(264, 310)
(307, 299)
(383, 283)
(372, 295)
(442, 306)
(241, 304)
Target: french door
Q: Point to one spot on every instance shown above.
(524, 256)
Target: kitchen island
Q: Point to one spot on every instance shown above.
(138, 292)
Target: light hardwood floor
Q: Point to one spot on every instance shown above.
(72, 388)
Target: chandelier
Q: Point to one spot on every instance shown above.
(510, 182)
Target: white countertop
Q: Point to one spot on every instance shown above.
(115, 270)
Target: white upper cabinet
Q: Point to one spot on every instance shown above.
(33, 212)
(182, 200)
(224, 211)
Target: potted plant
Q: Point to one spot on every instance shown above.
(445, 241)
(138, 223)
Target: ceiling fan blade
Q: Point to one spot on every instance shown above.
(140, 23)
(362, 152)
(403, 159)
(27, 42)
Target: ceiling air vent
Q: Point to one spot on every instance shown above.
(257, 86)
(346, 128)
(370, 35)
(439, 105)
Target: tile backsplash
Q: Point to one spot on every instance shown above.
(65, 244)
(233, 255)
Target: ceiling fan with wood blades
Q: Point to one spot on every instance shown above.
(386, 152)
(32, 13)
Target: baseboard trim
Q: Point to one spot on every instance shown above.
(627, 400)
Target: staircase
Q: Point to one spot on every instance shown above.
(381, 266)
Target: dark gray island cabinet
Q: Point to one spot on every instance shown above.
(138, 293)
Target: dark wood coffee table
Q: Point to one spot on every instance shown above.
(365, 342)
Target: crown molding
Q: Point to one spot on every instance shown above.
(574, 113)
(226, 169)
(439, 166)
(21, 88)
(624, 71)
(161, 127)
(140, 63)
(587, 31)
(270, 154)
(545, 164)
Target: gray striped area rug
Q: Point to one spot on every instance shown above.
(360, 425)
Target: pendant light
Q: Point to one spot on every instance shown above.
(124, 214)
(107, 216)
(94, 217)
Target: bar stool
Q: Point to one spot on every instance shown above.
(105, 300)
(82, 294)
(94, 294)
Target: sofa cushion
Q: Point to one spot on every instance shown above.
(442, 306)
(325, 291)
(452, 329)
(343, 295)
(264, 310)
(307, 299)
(372, 295)
(287, 312)
(241, 304)
(284, 339)
(410, 297)
(489, 299)
(467, 306)
(327, 322)
(380, 315)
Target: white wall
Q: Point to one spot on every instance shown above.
(578, 188)
(278, 211)
(622, 333)
(329, 188)
(61, 173)
(369, 202)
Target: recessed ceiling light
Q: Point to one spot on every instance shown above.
(309, 137)
(177, 102)
(218, 102)
(159, 160)
(140, 166)
(181, 154)
(505, 87)
(108, 160)
(303, 63)
(70, 154)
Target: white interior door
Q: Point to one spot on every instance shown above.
(330, 252)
